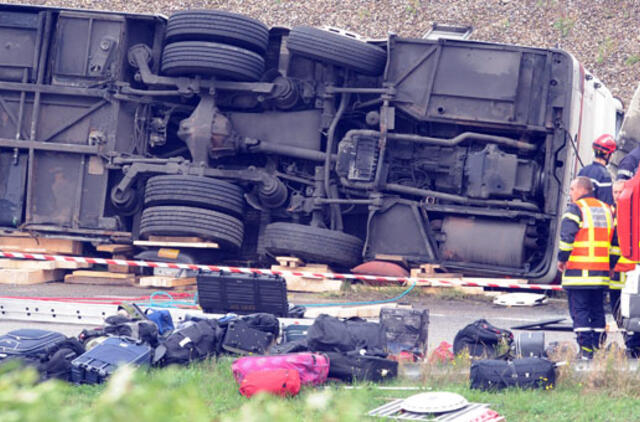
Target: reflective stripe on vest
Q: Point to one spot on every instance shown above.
(617, 281)
(585, 278)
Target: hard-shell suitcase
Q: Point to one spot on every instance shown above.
(29, 342)
(497, 374)
(242, 339)
(405, 329)
(353, 366)
(94, 366)
(294, 332)
(224, 292)
(313, 368)
(529, 344)
(281, 382)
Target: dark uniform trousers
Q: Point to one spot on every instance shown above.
(587, 312)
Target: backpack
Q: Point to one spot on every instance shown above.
(162, 318)
(118, 325)
(281, 382)
(194, 341)
(482, 339)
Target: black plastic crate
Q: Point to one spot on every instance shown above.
(225, 292)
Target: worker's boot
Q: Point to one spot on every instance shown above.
(585, 344)
(599, 338)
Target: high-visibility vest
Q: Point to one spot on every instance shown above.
(619, 276)
(588, 264)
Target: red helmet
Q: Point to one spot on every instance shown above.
(605, 143)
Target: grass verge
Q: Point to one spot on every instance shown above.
(207, 391)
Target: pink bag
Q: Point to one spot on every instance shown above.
(281, 382)
(312, 367)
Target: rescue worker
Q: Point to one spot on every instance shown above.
(585, 240)
(629, 164)
(597, 171)
(621, 266)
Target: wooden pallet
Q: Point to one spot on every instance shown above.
(303, 283)
(102, 278)
(119, 251)
(428, 271)
(24, 243)
(17, 271)
(20, 264)
(33, 276)
(166, 282)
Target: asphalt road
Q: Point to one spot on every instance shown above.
(446, 316)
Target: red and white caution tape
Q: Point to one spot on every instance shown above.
(435, 281)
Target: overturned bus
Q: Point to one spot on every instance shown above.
(303, 142)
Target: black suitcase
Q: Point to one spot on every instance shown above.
(94, 366)
(242, 293)
(294, 332)
(497, 374)
(30, 343)
(353, 366)
(405, 329)
(529, 344)
(240, 338)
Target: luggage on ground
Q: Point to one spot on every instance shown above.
(529, 344)
(405, 330)
(353, 366)
(94, 366)
(295, 346)
(295, 332)
(29, 343)
(281, 382)
(482, 339)
(264, 322)
(58, 364)
(242, 339)
(162, 319)
(193, 341)
(49, 352)
(497, 374)
(313, 368)
(119, 325)
(225, 292)
(330, 334)
(367, 336)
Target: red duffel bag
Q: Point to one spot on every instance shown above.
(280, 382)
(313, 368)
